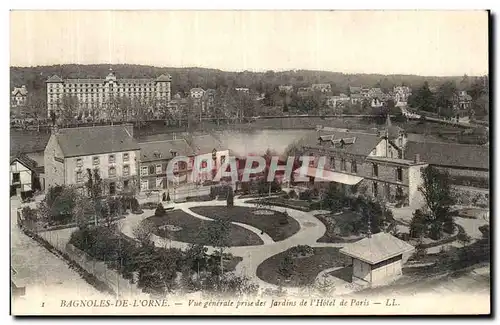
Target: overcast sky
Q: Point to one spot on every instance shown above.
(388, 42)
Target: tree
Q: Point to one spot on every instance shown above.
(287, 266)
(418, 224)
(444, 99)
(143, 231)
(217, 235)
(436, 190)
(94, 191)
(69, 109)
(423, 99)
(83, 211)
(463, 238)
(230, 198)
(160, 210)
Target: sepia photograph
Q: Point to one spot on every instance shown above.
(246, 162)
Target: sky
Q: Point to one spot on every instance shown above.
(430, 43)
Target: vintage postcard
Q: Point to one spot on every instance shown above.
(249, 163)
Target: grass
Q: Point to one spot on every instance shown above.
(306, 269)
(191, 226)
(331, 235)
(270, 224)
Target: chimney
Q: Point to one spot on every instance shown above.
(417, 158)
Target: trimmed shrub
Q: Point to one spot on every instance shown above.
(160, 210)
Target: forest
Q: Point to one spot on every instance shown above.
(183, 79)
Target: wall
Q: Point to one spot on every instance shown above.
(360, 270)
(386, 273)
(416, 180)
(470, 196)
(54, 170)
(71, 165)
(24, 174)
(466, 172)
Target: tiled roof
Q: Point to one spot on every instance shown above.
(95, 140)
(449, 154)
(377, 248)
(160, 150)
(364, 142)
(26, 161)
(55, 78)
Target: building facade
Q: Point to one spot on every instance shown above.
(324, 88)
(377, 259)
(368, 164)
(100, 93)
(401, 95)
(155, 157)
(19, 96)
(109, 150)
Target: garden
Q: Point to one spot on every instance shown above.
(300, 265)
(181, 226)
(157, 270)
(277, 225)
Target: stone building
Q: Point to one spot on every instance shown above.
(366, 163)
(19, 96)
(111, 150)
(101, 93)
(155, 157)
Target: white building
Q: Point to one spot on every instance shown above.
(22, 174)
(377, 259)
(19, 96)
(97, 93)
(109, 150)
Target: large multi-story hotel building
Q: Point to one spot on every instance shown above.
(95, 93)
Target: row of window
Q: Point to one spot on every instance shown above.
(111, 173)
(354, 168)
(99, 85)
(96, 160)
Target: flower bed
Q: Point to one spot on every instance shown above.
(191, 227)
(278, 226)
(302, 271)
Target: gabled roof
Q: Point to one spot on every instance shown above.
(54, 78)
(164, 77)
(362, 145)
(25, 161)
(203, 144)
(21, 90)
(197, 89)
(354, 90)
(377, 248)
(162, 150)
(449, 154)
(86, 141)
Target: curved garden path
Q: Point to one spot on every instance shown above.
(311, 229)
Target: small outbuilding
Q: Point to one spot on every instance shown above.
(377, 259)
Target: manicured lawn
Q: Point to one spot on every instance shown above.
(332, 234)
(191, 227)
(270, 224)
(305, 269)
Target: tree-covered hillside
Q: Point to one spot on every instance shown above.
(184, 79)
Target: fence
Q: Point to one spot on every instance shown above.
(122, 287)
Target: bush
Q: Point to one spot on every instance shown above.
(301, 250)
(160, 210)
(149, 205)
(292, 194)
(135, 205)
